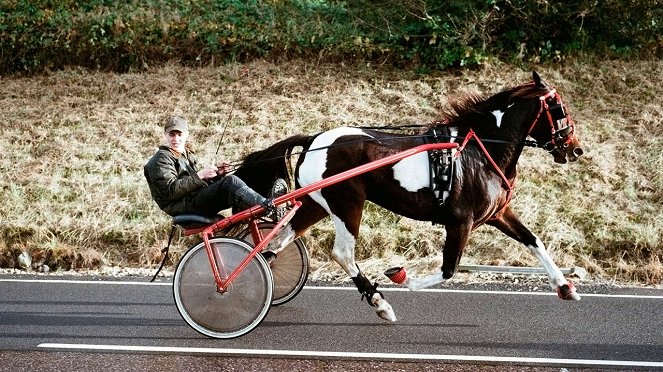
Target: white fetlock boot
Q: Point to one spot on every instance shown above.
(382, 308)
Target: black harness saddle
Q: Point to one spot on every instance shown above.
(441, 162)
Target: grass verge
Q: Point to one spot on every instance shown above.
(74, 195)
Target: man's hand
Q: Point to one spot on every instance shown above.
(209, 171)
(223, 168)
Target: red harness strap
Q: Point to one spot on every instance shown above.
(509, 185)
(544, 105)
(554, 128)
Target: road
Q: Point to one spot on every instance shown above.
(92, 316)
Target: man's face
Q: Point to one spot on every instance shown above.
(176, 140)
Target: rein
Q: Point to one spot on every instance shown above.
(527, 143)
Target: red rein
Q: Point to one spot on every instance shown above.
(509, 185)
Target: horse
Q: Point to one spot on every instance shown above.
(473, 187)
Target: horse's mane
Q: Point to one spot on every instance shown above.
(463, 108)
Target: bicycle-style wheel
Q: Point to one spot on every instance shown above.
(290, 268)
(239, 309)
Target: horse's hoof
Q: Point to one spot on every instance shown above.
(568, 292)
(383, 309)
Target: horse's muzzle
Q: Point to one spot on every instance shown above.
(569, 151)
(576, 153)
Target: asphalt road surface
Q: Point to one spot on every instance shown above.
(53, 323)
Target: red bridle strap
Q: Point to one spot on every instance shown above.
(552, 122)
(544, 107)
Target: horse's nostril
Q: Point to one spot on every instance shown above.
(578, 151)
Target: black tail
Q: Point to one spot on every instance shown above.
(261, 168)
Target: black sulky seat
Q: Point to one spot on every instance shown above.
(194, 221)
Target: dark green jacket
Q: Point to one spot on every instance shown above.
(172, 179)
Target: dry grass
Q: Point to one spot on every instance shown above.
(74, 193)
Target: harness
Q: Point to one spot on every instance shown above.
(441, 163)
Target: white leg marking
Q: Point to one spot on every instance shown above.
(382, 308)
(415, 284)
(344, 248)
(344, 254)
(554, 273)
(413, 172)
(281, 239)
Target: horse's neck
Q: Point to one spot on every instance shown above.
(504, 144)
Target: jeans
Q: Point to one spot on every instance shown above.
(230, 191)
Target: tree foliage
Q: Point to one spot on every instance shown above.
(121, 35)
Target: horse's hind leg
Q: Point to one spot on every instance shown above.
(344, 254)
(344, 203)
(509, 224)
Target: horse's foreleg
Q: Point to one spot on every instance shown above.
(457, 236)
(509, 224)
(344, 255)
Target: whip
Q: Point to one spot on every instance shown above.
(225, 126)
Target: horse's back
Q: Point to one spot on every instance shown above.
(403, 187)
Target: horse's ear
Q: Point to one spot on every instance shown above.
(537, 79)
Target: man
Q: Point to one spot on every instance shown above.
(179, 185)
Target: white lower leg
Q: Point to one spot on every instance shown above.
(415, 284)
(382, 308)
(554, 273)
(343, 254)
(344, 248)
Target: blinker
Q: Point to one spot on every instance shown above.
(557, 111)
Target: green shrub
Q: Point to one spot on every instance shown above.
(40, 34)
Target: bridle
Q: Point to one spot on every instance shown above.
(561, 135)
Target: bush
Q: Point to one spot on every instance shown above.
(36, 35)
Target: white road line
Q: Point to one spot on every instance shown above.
(70, 281)
(350, 355)
(386, 289)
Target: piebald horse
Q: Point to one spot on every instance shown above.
(492, 133)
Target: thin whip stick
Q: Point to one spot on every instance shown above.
(244, 73)
(225, 126)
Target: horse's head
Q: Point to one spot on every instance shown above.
(554, 129)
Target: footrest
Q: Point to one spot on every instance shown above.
(193, 221)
